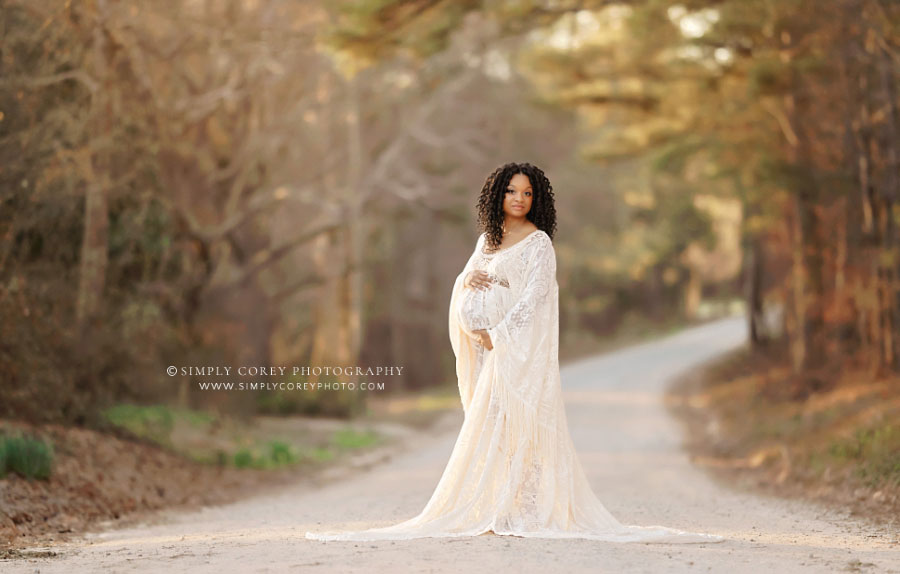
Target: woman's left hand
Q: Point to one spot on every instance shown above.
(484, 338)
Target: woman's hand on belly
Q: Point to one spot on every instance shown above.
(477, 279)
(484, 338)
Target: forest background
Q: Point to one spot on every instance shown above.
(283, 182)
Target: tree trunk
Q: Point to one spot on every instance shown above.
(94, 253)
(754, 277)
(808, 259)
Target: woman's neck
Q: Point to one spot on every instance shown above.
(514, 224)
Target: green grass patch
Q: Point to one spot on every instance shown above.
(208, 439)
(873, 450)
(154, 422)
(320, 454)
(273, 454)
(277, 454)
(348, 438)
(25, 455)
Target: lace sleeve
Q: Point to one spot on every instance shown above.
(463, 346)
(520, 319)
(469, 264)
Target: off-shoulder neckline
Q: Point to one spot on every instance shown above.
(513, 246)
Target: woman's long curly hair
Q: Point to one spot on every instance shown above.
(490, 202)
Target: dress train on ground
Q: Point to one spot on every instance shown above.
(514, 469)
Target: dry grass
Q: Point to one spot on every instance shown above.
(754, 426)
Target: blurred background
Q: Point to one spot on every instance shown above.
(290, 182)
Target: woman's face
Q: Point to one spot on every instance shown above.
(517, 201)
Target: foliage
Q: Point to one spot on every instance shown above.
(874, 451)
(253, 183)
(154, 422)
(28, 456)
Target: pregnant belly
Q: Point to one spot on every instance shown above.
(482, 309)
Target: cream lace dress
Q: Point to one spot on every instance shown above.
(513, 469)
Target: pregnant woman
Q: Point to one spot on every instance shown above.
(514, 469)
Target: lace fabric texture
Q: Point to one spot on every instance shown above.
(513, 469)
(484, 308)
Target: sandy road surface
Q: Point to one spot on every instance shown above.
(630, 450)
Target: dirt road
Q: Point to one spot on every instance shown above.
(630, 450)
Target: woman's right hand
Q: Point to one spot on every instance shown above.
(477, 279)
